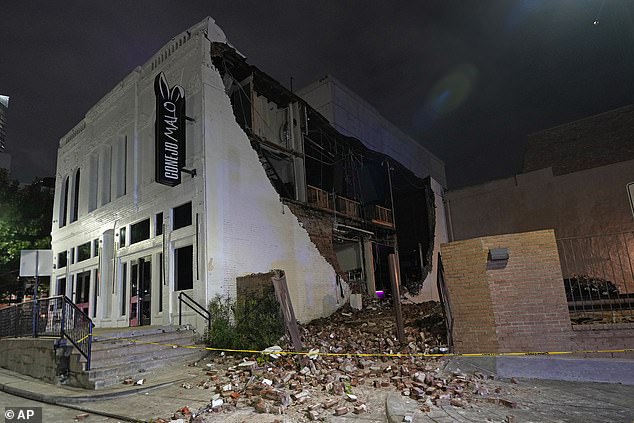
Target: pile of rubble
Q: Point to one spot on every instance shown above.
(352, 354)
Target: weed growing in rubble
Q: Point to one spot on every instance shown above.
(248, 323)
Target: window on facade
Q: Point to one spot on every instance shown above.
(158, 224)
(72, 256)
(105, 164)
(95, 247)
(62, 259)
(182, 216)
(95, 291)
(82, 293)
(122, 237)
(160, 294)
(93, 183)
(183, 263)
(139, 231)
(83, 252)
(61, 286)
(119, 168)
(75, 211)
(63, 209)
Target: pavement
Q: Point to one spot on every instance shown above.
(519, 400)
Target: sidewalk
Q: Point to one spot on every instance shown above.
(163, 395)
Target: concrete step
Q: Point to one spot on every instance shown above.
(120, 342)
(104, 334)
(139, 369)
(138, 345)
(136, 352)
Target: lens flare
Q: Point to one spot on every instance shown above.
(447, 95)
(520, 12)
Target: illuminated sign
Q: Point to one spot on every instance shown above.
(169, 131)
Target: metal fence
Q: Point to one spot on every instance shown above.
(598, 276)
(54, 316)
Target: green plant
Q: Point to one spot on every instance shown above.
(222, 331)
(248, 323)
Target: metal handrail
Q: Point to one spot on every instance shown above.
(195, 306)
(53, 316)
(77, 336)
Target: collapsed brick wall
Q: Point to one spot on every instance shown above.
(318, 224)
(595, 141)
(514, 305)
(256, 285)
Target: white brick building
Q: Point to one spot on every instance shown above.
(125, 246)
(113, 226)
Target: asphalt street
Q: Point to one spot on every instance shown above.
(50, 413)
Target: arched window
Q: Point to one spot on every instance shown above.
(63, 207)
(75, 213)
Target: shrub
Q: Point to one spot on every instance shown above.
(248, 323)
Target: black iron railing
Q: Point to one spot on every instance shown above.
(77, 327)
(598, 276)
(196, 307)
(54, 316)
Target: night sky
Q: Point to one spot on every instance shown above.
(468, 79)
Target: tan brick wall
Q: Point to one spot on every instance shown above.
(529, 299)
(604, 337)
(517, 305)
(464, 263)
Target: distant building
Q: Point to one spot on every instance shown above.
(198, 171)
(574, 180)
(352, 116)
(578, 179)
(5, 158)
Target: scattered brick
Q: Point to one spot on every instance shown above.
(341, 411)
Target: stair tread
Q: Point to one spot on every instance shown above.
(139, 340)
(119, 353)
(146, 359)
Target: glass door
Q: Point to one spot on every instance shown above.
(140, 292)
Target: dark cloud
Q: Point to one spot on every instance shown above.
(468, 79)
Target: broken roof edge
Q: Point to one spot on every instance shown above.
(330, 79)
(354, 143)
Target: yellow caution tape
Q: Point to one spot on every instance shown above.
(348, 354)
(90, 334)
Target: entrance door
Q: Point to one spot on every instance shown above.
(140, 292)
(82, 291)
(145, 288)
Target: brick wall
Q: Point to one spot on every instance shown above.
(583, 144)
(464, 263)
(318, 224)
(514, 305)
(604, 337)
(255, 285)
